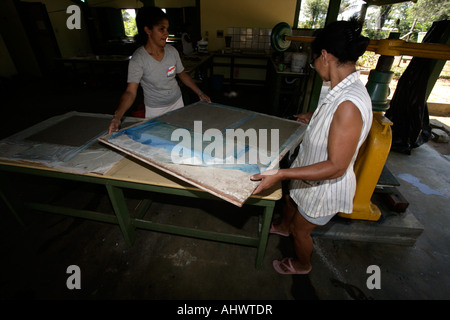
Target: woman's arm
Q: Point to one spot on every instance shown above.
(344, 134)
(125, 103)
(187, 80)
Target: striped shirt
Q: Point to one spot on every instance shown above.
(327, 197)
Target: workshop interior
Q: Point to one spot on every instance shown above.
(64, 67)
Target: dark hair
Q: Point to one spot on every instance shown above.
(147, 17)
(343, 39)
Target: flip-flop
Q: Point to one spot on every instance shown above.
(290, 268)
(272, 230)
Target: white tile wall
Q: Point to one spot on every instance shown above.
(249, 38)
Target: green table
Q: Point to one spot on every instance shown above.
(127, 174)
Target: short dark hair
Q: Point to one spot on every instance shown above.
(343, 39)
(147, 17)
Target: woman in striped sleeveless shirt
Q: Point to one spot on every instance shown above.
(322, 179)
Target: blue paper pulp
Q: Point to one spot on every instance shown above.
(159, 135)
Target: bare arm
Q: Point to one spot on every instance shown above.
(187, 80)
(343, 139)
(125, 103)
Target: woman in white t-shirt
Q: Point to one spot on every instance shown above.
(154, 66)
(322, 180)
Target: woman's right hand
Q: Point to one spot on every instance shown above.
(126, 100)
(114, 125)
(304, 117)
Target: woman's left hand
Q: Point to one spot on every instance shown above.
(204, 97)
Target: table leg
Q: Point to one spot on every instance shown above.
(264, 234)
(11, 208)
(142, 208)
(11, 203)
(122, 213)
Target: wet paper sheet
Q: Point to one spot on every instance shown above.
(67, 142)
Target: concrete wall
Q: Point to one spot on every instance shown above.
(71, 42)
(219, 15)
(17, 53)
(7, 67)
(17, 56)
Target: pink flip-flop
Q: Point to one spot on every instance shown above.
(273, 231)
(289, 267)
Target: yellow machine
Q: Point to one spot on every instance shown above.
(368, 167)
(373, 154)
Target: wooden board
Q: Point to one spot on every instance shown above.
(129, 169)
(232, 185)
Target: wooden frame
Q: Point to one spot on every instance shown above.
(231, 185)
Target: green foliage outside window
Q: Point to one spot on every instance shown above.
(129, 22)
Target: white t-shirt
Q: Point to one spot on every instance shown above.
(157, 78)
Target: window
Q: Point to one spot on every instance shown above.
(129, 22)
(312, 14)
(350, 8)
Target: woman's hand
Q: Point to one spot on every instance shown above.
(268, 179)
(204, 97)
(187, 80)
(114, 125)
(304, 117)
(126, 100)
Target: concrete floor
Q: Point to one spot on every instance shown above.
(160, 266)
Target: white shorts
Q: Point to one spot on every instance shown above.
(319, 221)
(151, 112)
